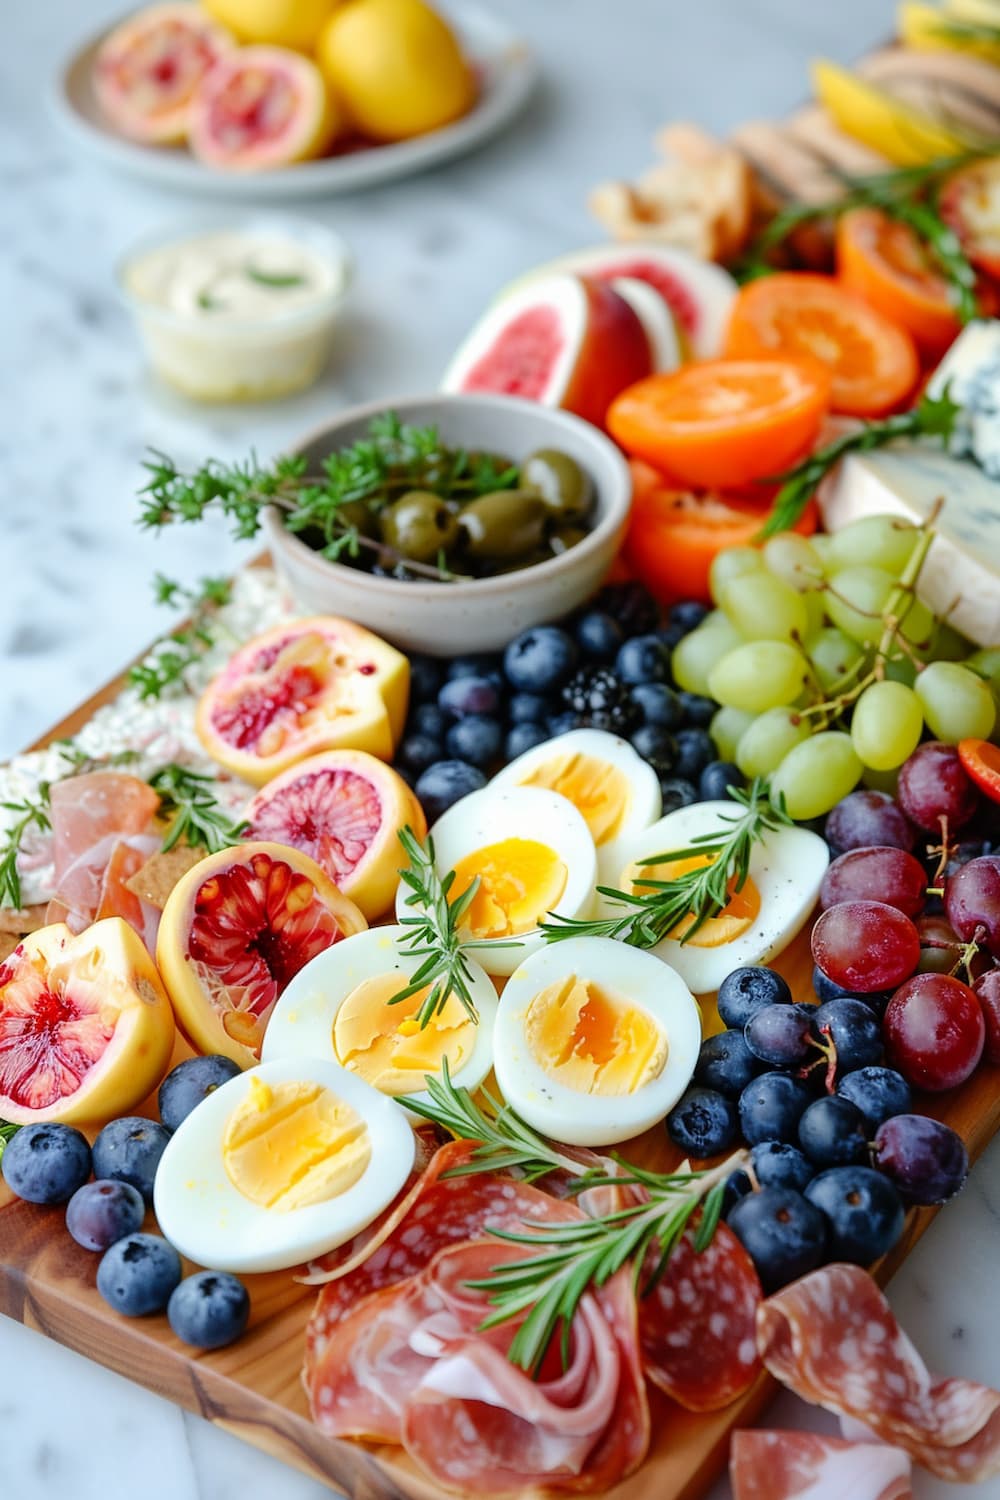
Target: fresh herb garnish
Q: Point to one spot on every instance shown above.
(273, 278)
(7, 1133)
(80, 762)
(27, 814)
(657, 908)
(167, 664)
(195, 816)
(207, 302)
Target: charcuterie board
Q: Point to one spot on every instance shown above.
(253, 1388)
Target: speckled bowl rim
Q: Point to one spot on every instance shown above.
(617, 498)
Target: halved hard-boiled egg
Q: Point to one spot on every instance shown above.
(339, 1007)
(280, 1164)
(617, 792)
(595, 1041)
(532, 854)
(760, 919)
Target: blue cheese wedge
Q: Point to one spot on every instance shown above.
(970, 372)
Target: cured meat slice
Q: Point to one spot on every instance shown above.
(808, 1466)
(116, 900)
(91, 816)
(831, 1338)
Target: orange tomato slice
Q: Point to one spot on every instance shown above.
(981, 761)
(723, 423)
(970, 203)
(887, 264)
(873, 363)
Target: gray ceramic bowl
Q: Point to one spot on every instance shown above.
(447, 619)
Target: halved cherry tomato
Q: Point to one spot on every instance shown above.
(873, 363)
(981, 760)
(969, 203)
(674, 535)
(887, 264)
(719, 423)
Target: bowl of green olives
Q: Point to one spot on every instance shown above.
(451, 523)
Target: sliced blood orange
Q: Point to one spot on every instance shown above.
(149, 68)
(86, 1029)
(314, 684)
(345, 809)
(260, 108)
(235, 930)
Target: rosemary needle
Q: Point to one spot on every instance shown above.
(195, 816)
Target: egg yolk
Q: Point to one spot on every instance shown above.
(520, 881)
(289, 1145)
(597, 789)
(384, 1043)
(593, 1041)
(739, 913)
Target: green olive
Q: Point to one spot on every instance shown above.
(359, 514)
(565, 537)
(419, 525)
(503, 525)
(560, 481)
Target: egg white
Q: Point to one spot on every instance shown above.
(492, 815)
(567, 1114)
(301, 1024)
(202, 1213)
(787, 866)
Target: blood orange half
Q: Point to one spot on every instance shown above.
(149, 68)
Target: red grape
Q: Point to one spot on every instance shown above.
(987, 992)
(934, 1031)
(865, 945)
(972, 901)
(933, 785)
(876, 873)
(941, 948)
(869, 817)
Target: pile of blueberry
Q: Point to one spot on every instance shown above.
(836, 1153)
(138, 1273)
(605, 668)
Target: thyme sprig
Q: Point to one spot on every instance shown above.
(195, 817)
(7, 1134)
(658, 908)
(169, 662)
(28, 814)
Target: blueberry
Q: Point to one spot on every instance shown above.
(828, 989)
(879, 1093)
(137, 1274)
(524, 737)
(748, 989)
(676, 792)
(528, 708)
(688, 614)
(189, 1083)
(832, 1132)
(598, 635)
(469, 695)
(476, 739)
(782, 1232)
(129, 1150)
(540, 659)
(445, 783)
(418, 751)
(738, 1185)
(563, 723)
(703, 1123)
(658, 704)
(698, 711)
(671, 636)
(101, 1212)
(209, 1309)
(771, 1107)
(694, 751)
(426, 677)
(781, 1036)
(853, 1030)
(429, 720)
(717, 778)
(643, 659)
(776, 1164)
(862, 1209)
(484, 664)
(726, 1064)
(656, 746)
(46, 1163)
(632, 605)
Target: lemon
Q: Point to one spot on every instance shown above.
(279, 23)
(396, 66)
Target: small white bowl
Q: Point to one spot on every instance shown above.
(482, 614)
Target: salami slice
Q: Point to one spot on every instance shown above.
(808, 1466)
(831, 1338)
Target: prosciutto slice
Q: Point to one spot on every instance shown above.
(808, 1466)
(101, 836)
(832, 1338)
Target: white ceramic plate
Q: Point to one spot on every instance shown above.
(508, 73)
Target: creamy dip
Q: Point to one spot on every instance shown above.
(234, 275)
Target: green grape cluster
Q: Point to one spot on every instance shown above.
(828, 667)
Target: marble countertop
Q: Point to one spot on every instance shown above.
(79, 410)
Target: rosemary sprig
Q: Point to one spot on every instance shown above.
(28, 814)
(195, 816)
(932, 417)
(7, 1133)
(169, 662)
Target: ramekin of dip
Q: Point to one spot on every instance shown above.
(243, 312)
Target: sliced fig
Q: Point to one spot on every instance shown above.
(345, 809)
(149, 68)
(260, 108)
(315, 684)
(562, 340)
(235, 931)
(656, 317)
(86, 1029)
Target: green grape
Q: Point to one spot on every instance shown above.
(696, 655)
(815, 775)
(768, 740)
(856, 598)
(730, 563)
(946, 643)
(881, 781)
(764, 608)
(882, 541)
(886, 725)
(985, 662)
(822, 545)
(957, 704)
(793, 559)
(815, 610)
(901, 669)
(727, 729)
(758, 675)
(833, 655)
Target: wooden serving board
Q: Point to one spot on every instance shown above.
(253, 1388)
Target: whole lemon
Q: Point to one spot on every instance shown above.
(396, 66)
(278, 23)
